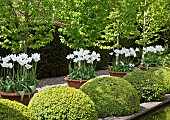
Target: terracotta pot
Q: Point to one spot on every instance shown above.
(143, 68)
(117, 74)
(75, 83)
(17, 97)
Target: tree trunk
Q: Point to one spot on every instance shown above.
(25, 41)
(144, 30)
(117, 57)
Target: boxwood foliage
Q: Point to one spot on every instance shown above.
(63, 103)
(112, 96)
(150, 86)
(164, 73)
(12, 110)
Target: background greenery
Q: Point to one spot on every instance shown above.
(83, 24)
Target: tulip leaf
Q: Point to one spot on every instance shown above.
(22, 94)
(33, 88)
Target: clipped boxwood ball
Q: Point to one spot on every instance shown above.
(150, 86)
(112, 96)
(164, 73)
(12, 110)
(63, 103)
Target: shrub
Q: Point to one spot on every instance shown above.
(164, 73)
(150, 86)
(63, 103)
(12, 110)
(165, 60)
(112, 96)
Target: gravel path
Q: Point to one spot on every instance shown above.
(49, 82)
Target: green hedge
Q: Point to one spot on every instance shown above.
(12, 110)
(63, 103)
(164, 73)
(112, 96)
(150, 86)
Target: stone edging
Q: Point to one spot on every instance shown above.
(145, 108)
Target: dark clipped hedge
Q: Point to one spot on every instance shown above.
(63, 103)
(112, 96)
(53, 61)
(12, 110)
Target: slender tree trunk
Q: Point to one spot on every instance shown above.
(144, 26)
(25, 41)
(26, 31)
(117, 57)
(144, 30)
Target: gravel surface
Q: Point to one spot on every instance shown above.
(49, 82)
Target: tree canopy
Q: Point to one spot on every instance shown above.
(25, 24)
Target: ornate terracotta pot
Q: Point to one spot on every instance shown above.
(75, 83)
(17, 97)
(117, 74)
(143, 68)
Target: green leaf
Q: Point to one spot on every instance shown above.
(21, 94)
(33, 88)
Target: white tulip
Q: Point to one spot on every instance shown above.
(86, 57)
(86, 52)
(122, 52)
(93, 54)
(137, 49)
(70, 56)
(4, 64)
(98, 59)
(75, 52)
(21, 62)
(144, 49)
(75, 60)
(13, 57)
(117, 55)
(28, 66)
(6, 59)
(23, 56)
(10, 65)
(134, 55)
(90, 61)
(159, 48)
(29, 59)
(117, 51)
(127, 54)
(36, 57)
(132, 65)
(81, 50)
(111, 53)
(80, 58)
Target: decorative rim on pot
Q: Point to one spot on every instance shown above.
(67, 79)
(118, 72)
(15, 94)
